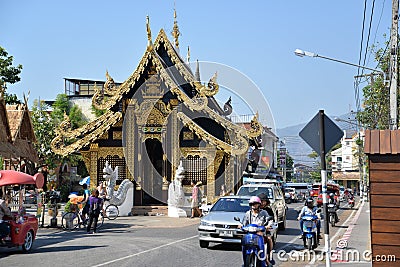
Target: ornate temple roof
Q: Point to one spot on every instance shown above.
(179, 80)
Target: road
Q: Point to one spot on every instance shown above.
(143, 241)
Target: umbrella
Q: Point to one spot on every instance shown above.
(85, 180)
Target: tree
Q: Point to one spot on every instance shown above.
(44, 127)
(375, 113)
(9, 74)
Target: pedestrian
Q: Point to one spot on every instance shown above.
(196, 197)
(95, 206)
(222, 192)
(4, 210)
(85, 206)
(102, 191)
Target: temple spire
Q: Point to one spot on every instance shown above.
(197, 73)
(149, 41)
(188, 55)
(176, 32)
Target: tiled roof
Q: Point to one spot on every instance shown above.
(382, 142)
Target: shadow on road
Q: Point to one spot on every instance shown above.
(226, 247)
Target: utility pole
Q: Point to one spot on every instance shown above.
(393, 65)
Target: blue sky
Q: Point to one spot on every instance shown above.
(83, 39)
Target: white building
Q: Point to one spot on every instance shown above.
(345, 161)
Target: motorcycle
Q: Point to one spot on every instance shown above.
(332, 213)
(253, 245)
(350, 201)
(310, 238)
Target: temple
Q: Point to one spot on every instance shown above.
(159, 116)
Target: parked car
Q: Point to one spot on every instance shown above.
(30, 197)
(290, 195)
(275, 196)
(219, 226)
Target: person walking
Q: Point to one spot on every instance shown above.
(95, 206)
(4, 210)
(196, 196)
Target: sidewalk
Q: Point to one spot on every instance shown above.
(349, 247)
(133, 221)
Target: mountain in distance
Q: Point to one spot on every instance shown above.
(298, 149)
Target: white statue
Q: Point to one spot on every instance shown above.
(123, 198)
(176, 196)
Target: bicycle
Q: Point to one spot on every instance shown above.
(73, 220)
(111, 211)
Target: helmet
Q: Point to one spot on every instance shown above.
(331, 194)
(262, 196)
(255, 199)
(309, 201)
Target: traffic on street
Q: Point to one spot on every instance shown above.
(160, 240)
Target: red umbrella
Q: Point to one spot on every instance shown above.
(9, 177)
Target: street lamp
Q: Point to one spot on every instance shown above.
(302, 53)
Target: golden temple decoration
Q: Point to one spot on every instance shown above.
(256, 127)
(175, 31)
(149, 44)
(212, 87)
(87, 134)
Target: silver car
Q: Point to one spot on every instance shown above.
(219, 226)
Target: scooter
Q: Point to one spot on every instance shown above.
(310, 238)
(253, 249)
(332, 213)
(350, 201)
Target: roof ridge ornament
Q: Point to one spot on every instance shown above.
(149, 43)
(188, 55)
(175, 32)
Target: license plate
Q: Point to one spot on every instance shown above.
(226, 233)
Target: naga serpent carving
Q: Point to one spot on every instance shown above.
(111, 176)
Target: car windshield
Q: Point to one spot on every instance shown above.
(231, 205)
(255, 191)
(289, 190)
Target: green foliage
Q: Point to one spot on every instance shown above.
(8, 73)
(11, 99)
(97, 112)
(60, 107)
(45, 123)
(76, 116)
(376, 109)
(44, 126)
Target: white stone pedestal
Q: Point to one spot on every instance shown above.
(126, 207)
(176, 212)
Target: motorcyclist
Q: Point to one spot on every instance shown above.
(310, 209)
(332, 200)
(258, 216)
(268, 238)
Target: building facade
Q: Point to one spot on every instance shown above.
(158, 117)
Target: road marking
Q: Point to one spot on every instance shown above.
(145, 251)
(347, 233)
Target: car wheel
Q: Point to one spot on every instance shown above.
(27, 246)
(204, 244)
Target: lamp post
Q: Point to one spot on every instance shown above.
(302, 53)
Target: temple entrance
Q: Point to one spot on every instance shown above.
(152, 173)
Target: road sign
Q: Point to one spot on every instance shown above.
(311, 134)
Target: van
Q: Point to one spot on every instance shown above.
(274, 194)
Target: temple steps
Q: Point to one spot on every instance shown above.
(149, 210)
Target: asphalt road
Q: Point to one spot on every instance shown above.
(138, 241)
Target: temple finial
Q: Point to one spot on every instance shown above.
(188, 55)
(149, 43)
(175, 31)
(197, 73)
